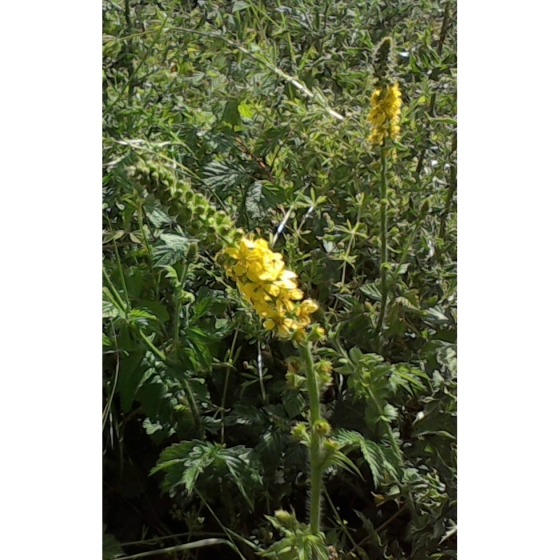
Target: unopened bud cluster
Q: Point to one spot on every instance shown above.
(193, 210)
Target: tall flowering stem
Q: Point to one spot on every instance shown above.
(384, 117)
(273, 292)
(316, 439)
(384, 263)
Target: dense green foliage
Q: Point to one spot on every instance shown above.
(258, 109)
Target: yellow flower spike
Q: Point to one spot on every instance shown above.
(269, 288)
(384, 115)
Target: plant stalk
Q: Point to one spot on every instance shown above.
(383, 235)
(315, 448)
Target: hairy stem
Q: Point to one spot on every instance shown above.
(383, 235)
(315, 449)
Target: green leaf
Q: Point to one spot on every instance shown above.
(222, 177)
(190, 463)
(140, 317)
(239, 5)
(109, 310)
(157, 217)
(270, 449)
(173, 249)
(380, 460)
(436, 316)
(131, 376)
(111, 546)
(231, 114)
(254, 200)
(294, 403)
(158, 310)
(246, 111)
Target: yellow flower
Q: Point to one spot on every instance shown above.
(308, 306)
(384, 115)
(284, 326)
(271, 290)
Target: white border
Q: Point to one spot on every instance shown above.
(51, 279)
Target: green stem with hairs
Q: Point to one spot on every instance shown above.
(315, 448)
(383, 266)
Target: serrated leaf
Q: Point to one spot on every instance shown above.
(196, 77)
(222, 177)
(294, 403)
(270, 448)
(186, 463)
(176, 453)
(408, 378)
(109, 310)
(371, 291)
(190, 475)
(379, 459)
(404, 302)
(173, 249)
(254, 200)
(368, 525)
(151, 427)
(157, 217)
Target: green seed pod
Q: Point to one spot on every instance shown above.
(322, 427)
(331, 446)
(221, 217)
(287, 520)
(299, 432)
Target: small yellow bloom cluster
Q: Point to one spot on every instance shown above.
(385, 113)
(272, 290)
